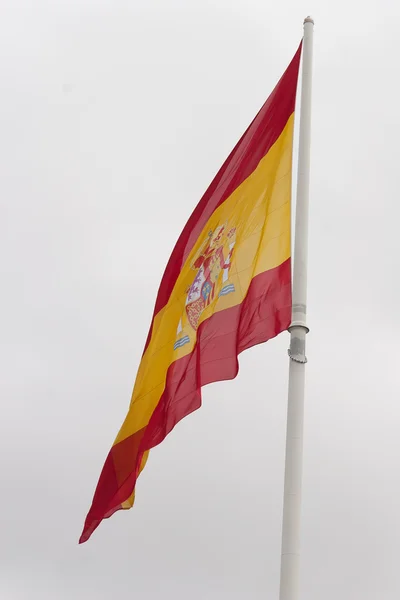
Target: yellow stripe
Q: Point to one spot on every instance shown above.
(259, 209)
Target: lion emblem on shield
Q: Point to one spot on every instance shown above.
(212, 264)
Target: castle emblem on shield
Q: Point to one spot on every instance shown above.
(212, 265)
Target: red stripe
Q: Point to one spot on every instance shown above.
(242, 161)
(265, 312)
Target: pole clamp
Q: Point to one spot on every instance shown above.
(297, 350)
(297, 358)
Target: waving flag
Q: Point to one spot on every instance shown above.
(227, 287)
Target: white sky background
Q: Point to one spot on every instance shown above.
(114, 118)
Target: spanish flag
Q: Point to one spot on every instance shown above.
(226, 287)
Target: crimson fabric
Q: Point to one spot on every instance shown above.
(265, 312)
(242, 161)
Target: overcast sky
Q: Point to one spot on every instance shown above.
(114, 117)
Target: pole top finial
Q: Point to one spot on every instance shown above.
(308, 20)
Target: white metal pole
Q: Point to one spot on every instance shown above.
(289, 583)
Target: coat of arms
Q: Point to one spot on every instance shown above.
(212, 265)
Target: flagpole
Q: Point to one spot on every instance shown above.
(290, 557)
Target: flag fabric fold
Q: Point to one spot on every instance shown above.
(226, 287)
